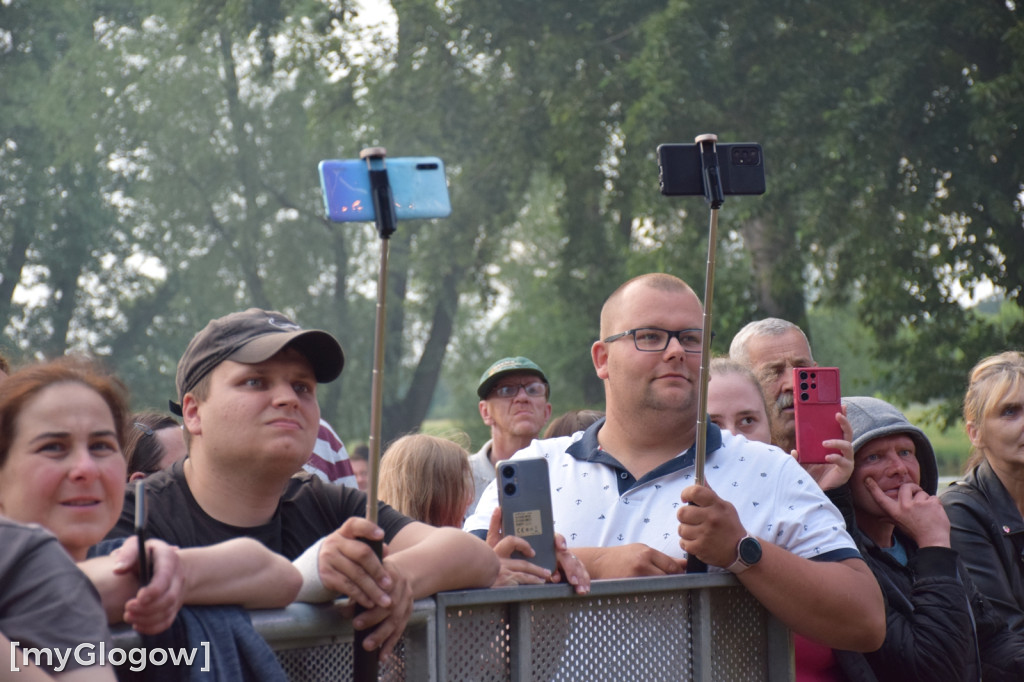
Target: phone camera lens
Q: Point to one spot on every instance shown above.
(508, 472)
(805, 396)
(510, 488)
(803, 376)
(803, 385)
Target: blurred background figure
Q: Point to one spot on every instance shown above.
(427, 478)
(154, 441)
(329, 460)
(360, 460)
(736, 402)
(571, 422)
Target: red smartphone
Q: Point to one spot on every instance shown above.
(816, 400)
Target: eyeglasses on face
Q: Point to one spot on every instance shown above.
(534, 389)
(655, 340)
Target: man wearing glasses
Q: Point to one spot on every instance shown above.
(624, 497)
(514, 403)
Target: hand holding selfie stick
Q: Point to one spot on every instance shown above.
(364, 665)
(714, 196)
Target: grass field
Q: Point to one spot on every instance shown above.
(951, 446)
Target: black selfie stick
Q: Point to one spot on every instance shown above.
(364, 663)
(715, 197)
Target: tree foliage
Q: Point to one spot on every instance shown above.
(158, 165)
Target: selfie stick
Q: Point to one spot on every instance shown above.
(714, 196)
(364, 664)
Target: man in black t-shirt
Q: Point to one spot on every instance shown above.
(247, 390)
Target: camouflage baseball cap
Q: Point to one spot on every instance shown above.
(503, 367)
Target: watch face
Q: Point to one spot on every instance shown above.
(750, 551)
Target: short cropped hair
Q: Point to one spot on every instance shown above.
(770, 326)
(655, 280)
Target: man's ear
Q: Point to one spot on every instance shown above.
(485, 413)
(599, 354)
(137, 475)
(190, 414)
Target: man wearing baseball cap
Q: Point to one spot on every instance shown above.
(514, 403)
(247, 390)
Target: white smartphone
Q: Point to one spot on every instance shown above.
(418, 187)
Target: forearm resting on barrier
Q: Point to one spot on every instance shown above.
(835, 603)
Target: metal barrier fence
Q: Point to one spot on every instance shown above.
(697, 627)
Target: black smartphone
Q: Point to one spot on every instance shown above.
(145, 570)
(418, 187)
(741, 167)
(524, 494)
(816, 400)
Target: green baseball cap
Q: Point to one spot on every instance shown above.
(507, 366)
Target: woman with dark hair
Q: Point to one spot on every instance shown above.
(153, 443)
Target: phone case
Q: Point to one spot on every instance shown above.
(524, 494)
(816, 399)
(740, 165)
(418, 187)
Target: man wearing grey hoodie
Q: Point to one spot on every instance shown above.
(938, 626)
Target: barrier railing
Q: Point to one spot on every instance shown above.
(696, 627)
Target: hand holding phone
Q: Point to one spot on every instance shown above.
(524, 494)
(816, 400)
(145, 569)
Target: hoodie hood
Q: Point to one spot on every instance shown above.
(873, 418)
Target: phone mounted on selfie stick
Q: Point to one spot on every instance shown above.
(421, 193)
(715, 171)
(364, 663)
(714, 196)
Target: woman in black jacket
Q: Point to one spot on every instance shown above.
(938, 626)
(985, 507)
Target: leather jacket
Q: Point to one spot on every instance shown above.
(988, 534)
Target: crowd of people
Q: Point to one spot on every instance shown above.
(253, 502)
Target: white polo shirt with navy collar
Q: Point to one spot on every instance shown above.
(596, 502)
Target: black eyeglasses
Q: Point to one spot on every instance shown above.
(655, 340)
(534, 389)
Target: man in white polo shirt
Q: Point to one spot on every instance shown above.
(623, 493)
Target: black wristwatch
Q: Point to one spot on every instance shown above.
(748, 553)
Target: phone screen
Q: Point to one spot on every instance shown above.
(419, 188)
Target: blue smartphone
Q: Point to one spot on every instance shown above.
(418, 187)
